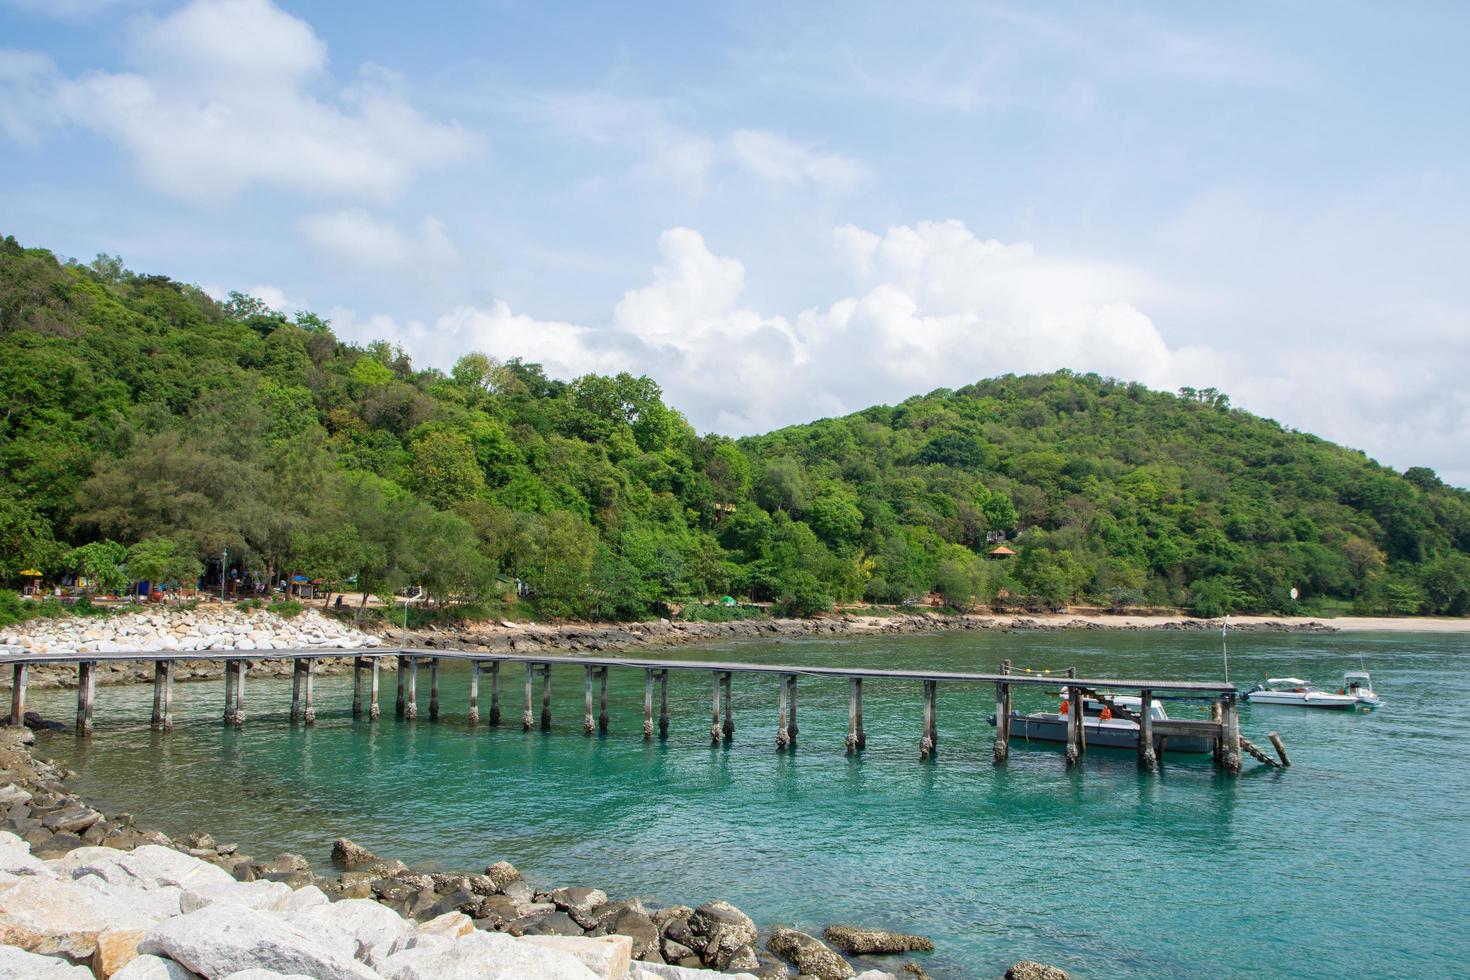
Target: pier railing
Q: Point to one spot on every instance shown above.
(1223, 728)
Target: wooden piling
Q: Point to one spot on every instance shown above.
(494, 693)
(930, 738)
(19, 677)
(433, 688)
(168, 695)
(647, 704)
(529, 719)
(729, 725)
(1002, 747)
(587, 714)
(602, 700)
(296, 690)
(1147, 760)
(241, 667)
(156, 721)
(309, 670)
(546, 697)
(474, 693)
(1076, 727)
(402, 705)
(86, 691)
(373, 683)
(663, 704)
(1280, 749)
(230, 692)
(1217, 744)
(791, 728)
(357, 687)
(411, 706)
(783, 737)
(1231, 736)
(714, 727)
(856, 740)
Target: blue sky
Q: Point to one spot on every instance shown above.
(785, 211)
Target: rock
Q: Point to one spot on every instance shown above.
(116, 948)
(770, 967)
(304, 897)
(450, 925)
(519, 892)
(16, 858)
(867, 942)
(502, 873)
(484, 956)
(268, 895)
(283, 864)
(378, 931)
(17, 964)
(674, 952)
(1031, 970)
(49, 915)
(723, 929)
(744, 958)
(874, 975)
(607, 956)
(146, 867)
(265, 975)
(579, 903)
(668, 971)
(810, 954)
(347, 855)
(220, 940)
(552, 924)
(154, 968)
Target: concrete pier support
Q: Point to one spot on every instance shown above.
(728, 728)
(230, 692)
(1002, 746)
(357, 666)
(1231, 737)
(309, 673)
(663, 704)
(474, 693)
(168, 695)
(546, 697)
(647, 704)
(529, 719)
(714, 727)
(856, 740)
(433, 688)
(1076, 732)
(930, 739)
(19, 677)
(241, 668)
(296, 684)
(86, 692)
(602, 700)
(587, 719)
(411, 706)
(373, 703)
(156, 721)
(494, 693)
(402, 705)
(1147, 760)
(786, 723)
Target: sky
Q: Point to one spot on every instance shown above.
(782, 212)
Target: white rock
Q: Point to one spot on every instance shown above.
(875, 975)
(149, 866)
(667, 971)
(305, 898)
(265, 975)
(17, 964)
(378, 931)
(484, 956)
(51, 915)
(269, 895)
(16, 857)
(152, 904)
(154, 968)
(450, 925)
(219, 940)
(607, 956)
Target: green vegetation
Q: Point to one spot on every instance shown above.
(147, 428)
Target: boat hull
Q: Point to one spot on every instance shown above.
(1046, 727)
(1294, 700)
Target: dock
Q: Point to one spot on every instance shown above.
(1223, 727)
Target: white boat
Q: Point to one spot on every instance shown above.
(1101, 728)
(1358, 684)
(1297, 692)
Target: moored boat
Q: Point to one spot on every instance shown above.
(1358, 684)
(1295, 692)
(1104, 725)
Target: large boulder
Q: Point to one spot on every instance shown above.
(17, 964)
(378, 931)
(607, 956)
(580, 903)
(50, 915)
(668, 971)
(347, 855)
(154, 968)
(868, 942)
(146, 867)
(268, 895)
(722, 931)
(502, 873)
(219, 940)
(484, 956)
(811, 956)
(116, 948)
(16, 857)
(1031, 970)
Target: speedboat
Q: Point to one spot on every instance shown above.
(1109, 721)
(1357, 683)
(1297, 692)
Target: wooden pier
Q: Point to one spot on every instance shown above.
(1223, 727)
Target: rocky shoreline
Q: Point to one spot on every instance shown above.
(83, 894)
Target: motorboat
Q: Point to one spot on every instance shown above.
(1359, 684)
(1109, 721)
(1298, 693)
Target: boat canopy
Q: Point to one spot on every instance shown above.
(1294, 681)
(1357, 675)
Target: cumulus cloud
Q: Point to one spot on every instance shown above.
(358, 238)
(222, 98)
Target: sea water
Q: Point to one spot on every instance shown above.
(1355, 861)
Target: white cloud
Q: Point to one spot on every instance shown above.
(775, 158)
(222, 98)
(26, 81)
(358, 238)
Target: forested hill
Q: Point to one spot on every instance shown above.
(147, 428)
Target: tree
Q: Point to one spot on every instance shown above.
(163, 560)
(101, 564)
(445, 468)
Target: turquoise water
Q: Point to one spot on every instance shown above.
(1355, 861)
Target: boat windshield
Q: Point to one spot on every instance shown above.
(1355, 681)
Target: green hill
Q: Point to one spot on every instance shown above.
(148, 428)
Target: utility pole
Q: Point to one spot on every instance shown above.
(224, 571)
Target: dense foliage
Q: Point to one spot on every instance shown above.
(148, 428)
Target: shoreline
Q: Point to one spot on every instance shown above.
(672, 942)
